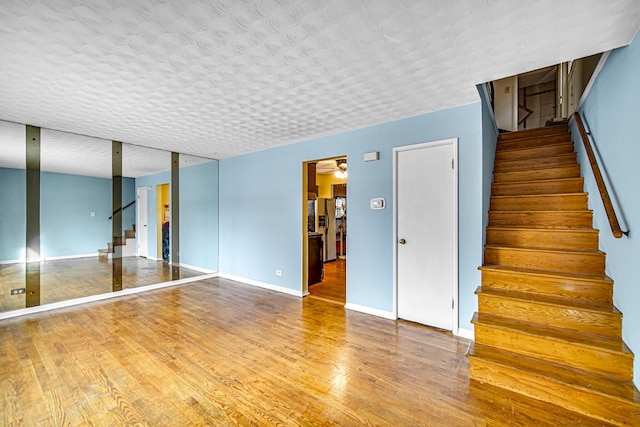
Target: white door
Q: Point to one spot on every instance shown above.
(143, 226)
(426, 231)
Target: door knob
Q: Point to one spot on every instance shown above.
(402, 241)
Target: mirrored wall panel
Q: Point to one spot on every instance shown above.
(198, 214)
(147, 247)
(13, 182)
(75, 216)
(84, 216)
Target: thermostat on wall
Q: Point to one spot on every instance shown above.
(377, 203)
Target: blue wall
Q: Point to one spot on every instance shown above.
(489, 142)
(128, 195)
(66, 225)
(199, 216)
(198, 213)
(261, 207)
(612, 110)
(13, 223)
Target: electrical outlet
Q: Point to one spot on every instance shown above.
(18, 291)
(278, 272)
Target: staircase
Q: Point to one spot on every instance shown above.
(546, 326)
(128, 243)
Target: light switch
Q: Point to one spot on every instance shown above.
(377, 203)
(93, 214)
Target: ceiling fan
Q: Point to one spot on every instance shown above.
(342, 169)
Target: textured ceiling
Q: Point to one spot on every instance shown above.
(219, 78)
(63, 152)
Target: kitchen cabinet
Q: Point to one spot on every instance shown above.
(316, 262)
(312, 188)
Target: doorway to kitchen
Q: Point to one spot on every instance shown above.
(163, 218)
(325, 242)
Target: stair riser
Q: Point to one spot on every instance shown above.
(575, 185)
(569, 171)
(554, 202)
(553, 239)
(538, 136)
(564, 287)
(542, 219)
(588, 262)
(528, 164)
(596, 360)
(577, 399)
(573, 318)
(535, 152)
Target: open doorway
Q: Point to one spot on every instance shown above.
(163, 216)
(326, 218)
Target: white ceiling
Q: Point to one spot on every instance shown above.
(63, 152)
(219, 78)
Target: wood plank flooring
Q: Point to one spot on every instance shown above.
(216, 352)
(333, 286)
(62, 280)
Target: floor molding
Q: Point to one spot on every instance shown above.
(465, 333)
(372, 311)
(259, 284)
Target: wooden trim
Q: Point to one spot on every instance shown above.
(606, 200)
(33, 251)
(175, 215)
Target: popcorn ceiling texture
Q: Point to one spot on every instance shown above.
(221, 78)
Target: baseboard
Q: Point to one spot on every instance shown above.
(198, 269)
(465, 333)
(372, 311)
(100, 297)
(13, 261)
(57, 258)
(259, 284)
(51, 258)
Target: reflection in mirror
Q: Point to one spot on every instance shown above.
(147, 178)
(198, 213)
(75, 211)
(12, 216)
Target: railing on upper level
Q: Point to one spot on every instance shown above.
(123, 208)
(606, 200)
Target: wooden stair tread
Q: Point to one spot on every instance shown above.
(553, 372)
(533, 133)
(537, 147)
(549, 274)
(547, 212)
(538, 181)
(546, 249)
(554, 230)
(564, 171)
(552, 333)
(549, 300)
(531, 196)
(553, 156)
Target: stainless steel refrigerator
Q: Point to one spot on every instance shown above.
(326, 224)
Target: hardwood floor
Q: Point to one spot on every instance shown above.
(333, 286)
(216, 352)
(62, 280)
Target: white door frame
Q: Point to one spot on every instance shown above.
(140, 226)
(396, 150)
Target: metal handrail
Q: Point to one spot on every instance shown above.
(123, 208)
